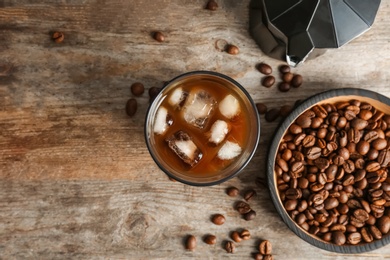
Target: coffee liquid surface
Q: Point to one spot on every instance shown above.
(209, 164)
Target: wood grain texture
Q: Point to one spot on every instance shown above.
(76, 179)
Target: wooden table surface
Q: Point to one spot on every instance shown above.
(77, 181)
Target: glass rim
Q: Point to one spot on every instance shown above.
(209, 180)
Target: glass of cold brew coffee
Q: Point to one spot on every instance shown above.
(202, 128)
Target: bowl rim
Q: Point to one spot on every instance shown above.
(257, 124)
(274, 145)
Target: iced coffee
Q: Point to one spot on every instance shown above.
(202, 126)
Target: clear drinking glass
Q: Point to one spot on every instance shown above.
(249, 132)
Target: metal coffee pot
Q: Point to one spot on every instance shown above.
(296, 30)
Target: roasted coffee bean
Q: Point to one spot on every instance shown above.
(290, 204)
(365, 114)
(349, 166)
(218, 219)
(363, 147)
(236, 237)
(272, 114)
(296, 81)
(287, 77)
(212, 5)
(249, 194)
(379, 144)
(384, 158)
(284, 69)
(250, 215)
(265, 247)
(268, 81)
(230, 247)
(284, 86)
(338, 238)
(232, 49)
(308, 141)
(210, 239)
(372, 166)
(320, 111)
(285, 110)
(159, 36)
(268, 257)
(245, 234)
(264, 68)
(366, 235)
(137, 89)
(313, 153)
(232, 191)
(375, 232)
(58, 37)
(383, 224)
(131, 107)
(359, 123)
(331, 203)
(303, 121)
(261, 108)
(191, 243)
(153, 92)
(322, 163)
(354, 238)
(243, 207)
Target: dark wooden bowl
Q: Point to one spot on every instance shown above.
(377, 100)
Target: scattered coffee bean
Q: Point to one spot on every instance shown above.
(249, 194)
(264, 68)
(284, 69)
(210, 239)
(284, 86)
(236, 237)
(268, 81)
(285, 110)
(230, 247)
(232, 49)
(296, 81)
(137, 89)
(258, 256)
(159, 36)
(245, 234)
(153, 92)
(131, 107)
(212, 5)
(232, 191)
(261, 108)
(287, 77)
(191, 243)
(218, 219)
(250, 215)
(265, 247)
(243, 207)
(58, 37)
(272, 114)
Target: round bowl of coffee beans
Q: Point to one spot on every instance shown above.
(328, 170)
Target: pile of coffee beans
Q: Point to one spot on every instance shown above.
(236, 236)
(137, 89)
(288, 79)
(332, 172)
(243, 207)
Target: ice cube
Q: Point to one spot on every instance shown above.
(229, 106)
(198, 107)
(229, 150)
(178, 97)
(218, 131)
(182, 145)
(162, 122)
